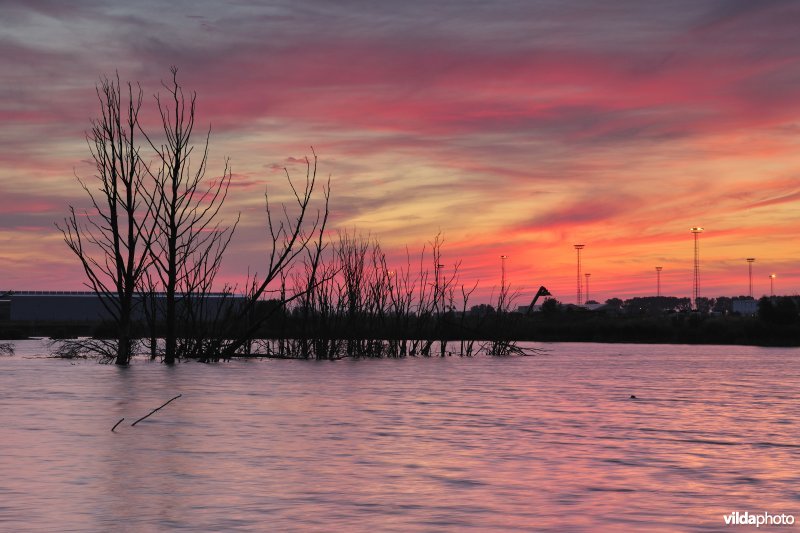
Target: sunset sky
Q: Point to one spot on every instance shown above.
(516, 128)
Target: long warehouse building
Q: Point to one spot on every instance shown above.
(77, 306)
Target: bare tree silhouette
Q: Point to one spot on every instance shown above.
(189, 243)
(111, 239)
(294, 235)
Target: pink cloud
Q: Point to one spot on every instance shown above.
(15, 204)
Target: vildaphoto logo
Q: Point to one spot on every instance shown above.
(762, 519)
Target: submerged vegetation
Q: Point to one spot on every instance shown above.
(340, 300)
(153, 241)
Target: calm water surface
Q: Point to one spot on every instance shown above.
(540, 443)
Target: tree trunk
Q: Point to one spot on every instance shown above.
(124, 337)
(170, 337)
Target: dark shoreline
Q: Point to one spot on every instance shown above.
(681, 328)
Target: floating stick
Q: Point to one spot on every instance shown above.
(156, 409)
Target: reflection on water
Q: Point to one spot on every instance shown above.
(548, 443)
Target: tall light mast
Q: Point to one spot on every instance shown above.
(578, 248)
(750, 261)
(587, 286)
(658, 280)
(696, 231)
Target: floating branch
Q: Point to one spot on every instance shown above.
(156, 409)
(118, 423)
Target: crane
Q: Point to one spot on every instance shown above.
(541, 292)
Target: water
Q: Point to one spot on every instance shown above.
(552, 442)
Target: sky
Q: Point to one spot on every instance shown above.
(515, 128)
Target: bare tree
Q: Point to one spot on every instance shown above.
(294, 235)
(111, 239)
(189, 242)
(153, 237)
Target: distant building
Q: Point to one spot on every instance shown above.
(745, 307)
(80, 306)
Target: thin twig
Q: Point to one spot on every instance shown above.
(156, 409)
(118, 423)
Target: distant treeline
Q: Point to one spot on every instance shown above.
(775, 324)
(388, 334)
(649, 305)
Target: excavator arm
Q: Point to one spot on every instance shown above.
(541, 292)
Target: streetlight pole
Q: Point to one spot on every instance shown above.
(439, 289)
(658, 280)
(696, 231)
(772, 284)
(503, 272)
(578, 248)
(750, 261)
(587, 286)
